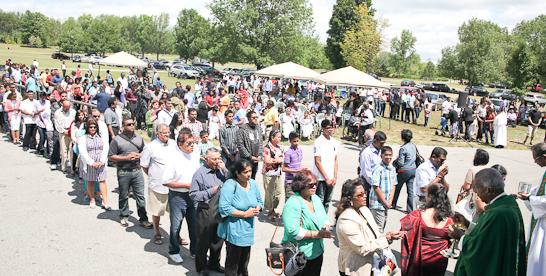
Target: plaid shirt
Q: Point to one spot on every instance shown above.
(384, 177)
(203, 147)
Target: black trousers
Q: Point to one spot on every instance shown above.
(481, 130)
(237, 260)
(467, 130)
(207, 239)
(312, 268)
(30, 136)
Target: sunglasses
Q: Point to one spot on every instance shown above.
(312, 185)
(90, 127)
(130, 124)
(96, 116)
(361, 195)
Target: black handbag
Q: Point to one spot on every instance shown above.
(418, 158)
(214, 206)
(278, 255)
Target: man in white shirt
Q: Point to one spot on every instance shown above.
(445, 107)
(177, 176)
(166, 116)
(35, 64)
(27, 108)
(430, 173)
(16, 74)
(156, 76)
(107, 88)
(41, 106)
(325, 168)
(91, 74)
(367, 123)
(123, 81)
(153, 160)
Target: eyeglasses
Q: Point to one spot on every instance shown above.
(538, 157)
(96, 116)
(90, 127)
(361, 195)
(189, 143)
(312, 185)
(129, 124)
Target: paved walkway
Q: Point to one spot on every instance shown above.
(48, 229)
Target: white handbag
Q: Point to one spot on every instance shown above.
(466, 207)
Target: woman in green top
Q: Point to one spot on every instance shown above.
(151, 116)
(305, 221)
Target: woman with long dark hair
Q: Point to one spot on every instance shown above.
(176, 125)
(79, 120)
(357, 231)
(240, 201)
(426, 235)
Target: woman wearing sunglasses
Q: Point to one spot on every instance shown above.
(305, 221)
(357, 231)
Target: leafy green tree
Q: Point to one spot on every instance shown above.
(343, 18)
(481, 51)
(527, 62)
(162, 38)
(313, 55)
(71, 35)
(191, 33)
(145, 30)
(403, 50)
(363, 41)
(262, 32)
(34, 24)
(101, 38)
(448, 65)
(429, 70)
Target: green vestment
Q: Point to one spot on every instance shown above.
(496, 246)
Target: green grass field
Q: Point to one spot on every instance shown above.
(422, 135)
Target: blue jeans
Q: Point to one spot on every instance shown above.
(325, 194)
(417, 112)
(127, 179)
(226, 159)
(405, 177)
(426, 121)
(181, 205)
(377, 105)
(490, 132)
(42, 132)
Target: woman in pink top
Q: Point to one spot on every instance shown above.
(14, 116)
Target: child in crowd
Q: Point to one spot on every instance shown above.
(204, 145)
(292, 163)
(383, 182)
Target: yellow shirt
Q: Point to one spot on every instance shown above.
(43, 76)
(271, 116)
(291, 91)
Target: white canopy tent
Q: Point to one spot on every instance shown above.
(123, 59)
(349, 76)
(287, 70)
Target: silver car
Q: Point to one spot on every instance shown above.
(183, 71)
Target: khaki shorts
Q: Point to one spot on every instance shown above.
(157, 203)
(532, 131)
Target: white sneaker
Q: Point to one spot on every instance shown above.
(53, 167)
(176, 258)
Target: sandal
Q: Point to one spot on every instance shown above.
(271, 217)
(158, 239)
(86, 199)
(184, 241)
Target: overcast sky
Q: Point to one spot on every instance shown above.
(433, 22)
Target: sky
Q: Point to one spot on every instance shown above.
(434, 23)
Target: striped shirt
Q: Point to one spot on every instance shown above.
(64, 119)
(383, 176)
(292, 159)
(203, 147)
(228, 137)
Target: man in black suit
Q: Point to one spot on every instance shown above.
(468, 119)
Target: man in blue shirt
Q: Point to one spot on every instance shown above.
(409, 107)
(189, 96)
(57, 79)
(102, 100)
(240, 115)
(159, 83)
(93, 90)
(31, 82)
(370, 159)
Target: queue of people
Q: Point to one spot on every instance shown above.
(185, 172)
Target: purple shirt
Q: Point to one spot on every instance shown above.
(292, 158)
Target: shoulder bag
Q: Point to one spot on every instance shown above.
(126, 138)
(384, 261)
(418, 158)
(214, 205)
(285, 256)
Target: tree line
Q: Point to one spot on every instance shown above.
(259, 32)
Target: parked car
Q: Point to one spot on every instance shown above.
(179, 60)
(184, 71)
(207, 68)
(497, 85)
(59, 56)
(375, 76)
(164, 60)
(535, 99)
(476, 91)
(536, 88)
(77, 58)
(424, 85)
(504, 93)
(157, 65)
(437, 100)
(441, 87)
(247, 72)
(497, 104)
(407, 83)
(94, 59)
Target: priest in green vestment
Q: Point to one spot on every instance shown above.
(496, 244)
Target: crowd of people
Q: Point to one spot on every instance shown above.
(188, 176)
